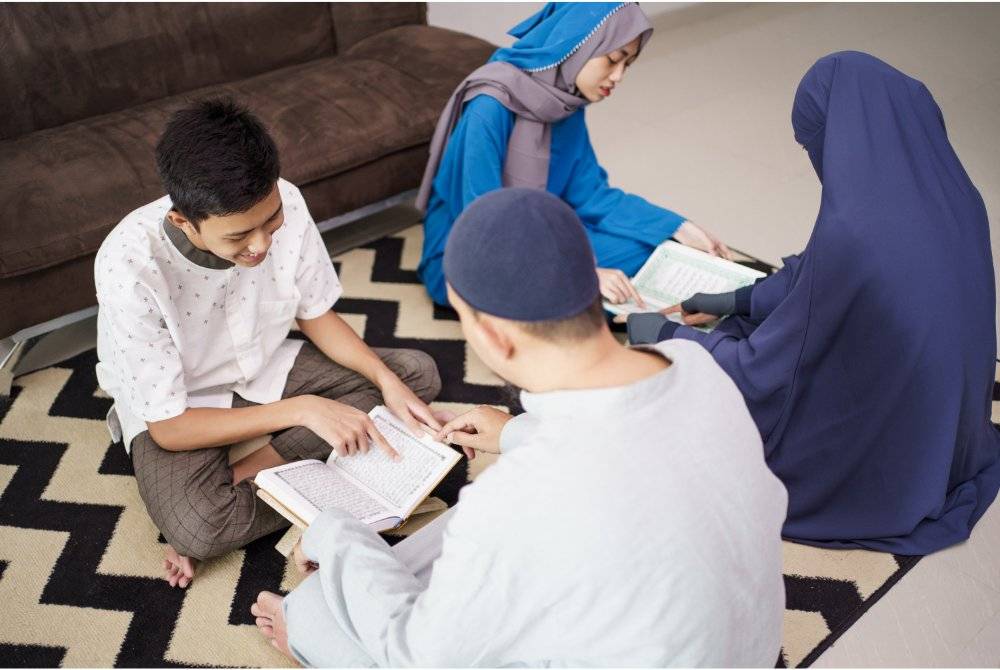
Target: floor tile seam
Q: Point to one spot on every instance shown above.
(900, 628)
(982, 628)
(982, 582)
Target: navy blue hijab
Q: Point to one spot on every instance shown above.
(868, 360)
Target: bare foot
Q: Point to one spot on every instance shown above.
(177, 569)
(271, 620)
(262, 459)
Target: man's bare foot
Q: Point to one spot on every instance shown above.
(271, 620)
(177, 569)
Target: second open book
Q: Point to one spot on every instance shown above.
(673, 273)
(371, 487)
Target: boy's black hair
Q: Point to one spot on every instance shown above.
(216, 158)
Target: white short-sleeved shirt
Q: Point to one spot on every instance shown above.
(179, 327)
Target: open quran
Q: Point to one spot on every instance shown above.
(673, 273)
(371, 487)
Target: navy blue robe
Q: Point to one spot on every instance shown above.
(868, 361)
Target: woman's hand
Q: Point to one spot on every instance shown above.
(616, 287)
(696, 237)
(702, 308)
(690, 318)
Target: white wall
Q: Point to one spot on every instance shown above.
(492, 20)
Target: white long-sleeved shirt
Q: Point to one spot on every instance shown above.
(630, 526)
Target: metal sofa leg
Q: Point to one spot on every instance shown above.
(10, 355)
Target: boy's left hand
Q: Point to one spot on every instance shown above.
(405, 404)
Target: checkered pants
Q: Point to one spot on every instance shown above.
(190, 495)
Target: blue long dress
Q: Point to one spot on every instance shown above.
(623, 228)
(868, 361)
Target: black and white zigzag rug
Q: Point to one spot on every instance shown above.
(80, 560)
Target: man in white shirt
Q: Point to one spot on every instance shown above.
(629, 521)
(197, 293)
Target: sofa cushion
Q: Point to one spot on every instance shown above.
(65, 188)
(435, 56)
(64, 62)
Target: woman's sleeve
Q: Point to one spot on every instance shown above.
(770, 291)
(479, 143)
(611, 210)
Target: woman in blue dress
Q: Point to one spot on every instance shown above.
(868, 360)
(519, 121)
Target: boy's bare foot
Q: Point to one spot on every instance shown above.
(262, 459)
(177, 569)
(271, 620)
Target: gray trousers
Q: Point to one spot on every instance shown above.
(314, 636)
(190, 495)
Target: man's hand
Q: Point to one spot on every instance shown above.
(476, 430)
(616, 287)
(302, 562)
(345, 428)
(410, 409)
(696, 237)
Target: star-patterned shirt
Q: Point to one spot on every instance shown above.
(179, 327)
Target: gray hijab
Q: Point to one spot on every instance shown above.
(538, 97)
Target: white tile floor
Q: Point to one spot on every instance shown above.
(702, 125)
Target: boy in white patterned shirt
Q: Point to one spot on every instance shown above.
(197, 292)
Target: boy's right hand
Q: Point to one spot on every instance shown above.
(478, 430)
(345, 428)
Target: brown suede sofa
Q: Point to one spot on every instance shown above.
(350, 92)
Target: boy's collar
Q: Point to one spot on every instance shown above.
(191, 252)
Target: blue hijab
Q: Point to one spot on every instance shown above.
(868, 361)
(552, 35)
(536, 80)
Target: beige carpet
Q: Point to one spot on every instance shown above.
(80, 560)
